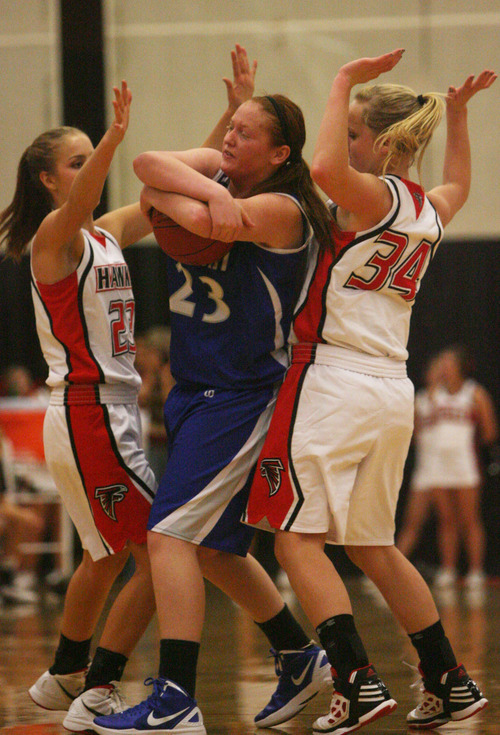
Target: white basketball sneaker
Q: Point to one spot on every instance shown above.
(100, 700)
(57, 691)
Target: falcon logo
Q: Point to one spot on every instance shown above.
(271, 469)
(109, 496)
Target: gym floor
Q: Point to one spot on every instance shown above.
(235, 674)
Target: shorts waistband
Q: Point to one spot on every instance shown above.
(359, 362)
(91, 394)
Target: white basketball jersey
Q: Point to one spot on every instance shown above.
(361, 297)
(85, 322)
(455, 419)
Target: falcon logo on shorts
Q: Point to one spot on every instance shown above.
(109, 497)
(271, 469)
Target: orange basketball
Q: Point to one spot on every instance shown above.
(185, 246)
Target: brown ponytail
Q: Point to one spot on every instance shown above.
(31, 202)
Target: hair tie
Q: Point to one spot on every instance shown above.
(421, 99)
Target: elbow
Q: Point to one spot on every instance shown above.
(202, 221)
(197, 218)
(321, 174)
(142, 165)
(317, 171)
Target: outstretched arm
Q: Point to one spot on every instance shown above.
(238, 91)
(352, 190)
(62, 225)
(128, 224)
(452, 194)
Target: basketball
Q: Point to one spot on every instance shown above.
(185, 246)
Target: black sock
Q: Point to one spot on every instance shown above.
(343, 646)
(70, 656)
(284, 632)
(178, 661)
(106, 666)
(434, 649)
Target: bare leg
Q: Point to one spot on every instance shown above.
(133, 608)
(469, 514)
(245, 581)
(447, 528)
(179, 587)
(312, 575)
(87, 593)
(416, 512)
(403, 588)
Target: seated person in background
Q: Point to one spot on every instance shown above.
(18, 524)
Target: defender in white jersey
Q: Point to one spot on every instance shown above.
(84, 309)
(419, 500)
(332, 464)
(463, 419)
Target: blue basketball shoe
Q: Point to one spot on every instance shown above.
(302, 674)
(169, 709)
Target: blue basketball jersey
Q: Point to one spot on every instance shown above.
(231, 320)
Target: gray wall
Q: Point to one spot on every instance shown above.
(174, 54)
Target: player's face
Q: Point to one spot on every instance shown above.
(248, 152)
(362, 155)
(451, 370)
(72, 152)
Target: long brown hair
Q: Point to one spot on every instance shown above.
(31, 202)
(287, 127)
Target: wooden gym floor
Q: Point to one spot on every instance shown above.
(235, 676)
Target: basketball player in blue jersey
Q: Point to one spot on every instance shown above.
(230, 323)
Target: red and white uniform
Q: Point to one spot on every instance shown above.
(335, 452)
(92, 430)
(446, 455)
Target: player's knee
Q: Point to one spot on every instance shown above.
(104, 569)
(361, 555)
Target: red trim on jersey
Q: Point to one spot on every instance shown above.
(120, 511)
(272, 494)
(309, 321)
(340, 238)
(62, 303)
(417, 195)
(100, 238)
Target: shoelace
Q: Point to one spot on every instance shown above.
(419, 682)
(119, 703)
(279, 657)
(278, 661)
(151, 701)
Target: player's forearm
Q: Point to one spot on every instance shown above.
(216, 137)
(166, 172)
(457, 158)
(331, 154)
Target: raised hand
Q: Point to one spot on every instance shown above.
(226, 214)
(364, 70)
(241, 88)
(121, 105)
(457, 98)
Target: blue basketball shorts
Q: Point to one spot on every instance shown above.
(214, 440)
